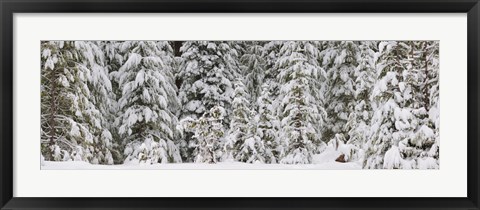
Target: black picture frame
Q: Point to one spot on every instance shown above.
(10, 7)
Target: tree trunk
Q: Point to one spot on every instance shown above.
(53, 110)
(176, 48)
(426, 88)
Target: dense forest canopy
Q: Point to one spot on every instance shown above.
(272, 102)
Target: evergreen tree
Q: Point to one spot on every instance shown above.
(253, 148)
(208, 135)
(359, 119)
(268, 125)
(237, 133)
(421, 148)
(301, 119)
(147, 104)
(114, 59)
(339, 59)
(394, 103)
(207, 72)
(71, 123)
(102, 99)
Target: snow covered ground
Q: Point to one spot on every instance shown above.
(78, 165)
(325, 161)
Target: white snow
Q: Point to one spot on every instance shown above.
(75, 131)
(392, 158)
(323, 161)
(80, 165)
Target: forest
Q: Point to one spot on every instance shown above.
(370, 103)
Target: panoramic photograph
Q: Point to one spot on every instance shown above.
(241, 105)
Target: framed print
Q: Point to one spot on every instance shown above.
(239, 105)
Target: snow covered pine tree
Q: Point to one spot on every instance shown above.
(72, 125)
(147, 121)
(301, 119)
